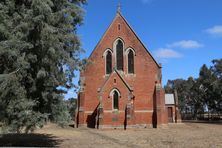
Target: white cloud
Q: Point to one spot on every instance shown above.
(185, 44)
(167, 53)
(146, 1)
(216, 30)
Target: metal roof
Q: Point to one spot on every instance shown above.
(169, 99)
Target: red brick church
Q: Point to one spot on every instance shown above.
(121, 85)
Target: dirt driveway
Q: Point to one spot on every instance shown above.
(184, 135)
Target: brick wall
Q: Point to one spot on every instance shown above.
(96, 86)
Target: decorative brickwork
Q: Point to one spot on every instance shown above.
(140, 95)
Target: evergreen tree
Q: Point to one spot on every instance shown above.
(39, 51)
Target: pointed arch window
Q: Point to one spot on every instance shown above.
(130, 62)
(108, 62)
(115, 100)
(119, 55)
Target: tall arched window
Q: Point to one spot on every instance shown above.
(119, 55)
(115, 100)
(108, 62)
(130, 62)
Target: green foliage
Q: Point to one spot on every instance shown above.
(64, 111)
(201, 94)
(39, 51)
(71, 105)
(60, 113)
(16, 110)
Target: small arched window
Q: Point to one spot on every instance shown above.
(108, 62)
(130, 62)
(115, 100)
(119, 55)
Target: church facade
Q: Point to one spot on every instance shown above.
(121, 85)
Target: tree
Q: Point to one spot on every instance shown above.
(71, 105)
(206, 79)
(39, 38)
(17, 111)
(217, 84)
(197, 96)
(183, 89)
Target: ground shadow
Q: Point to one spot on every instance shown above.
(72, 125)
(91, 119)
(125, 119)
(154, 115)
(29, 140)
(203, 121)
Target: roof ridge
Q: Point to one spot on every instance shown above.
(139, 39)
(118, 13)
(106, 80)
(123, 79)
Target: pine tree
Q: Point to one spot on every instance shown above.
(39, 52)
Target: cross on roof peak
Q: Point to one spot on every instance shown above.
(119, 7)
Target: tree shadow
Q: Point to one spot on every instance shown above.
(203, 122)
(29, 140)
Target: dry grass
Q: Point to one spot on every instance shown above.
(174, 135)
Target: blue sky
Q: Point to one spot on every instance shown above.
(181, 34)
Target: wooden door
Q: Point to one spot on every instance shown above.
(170, 114)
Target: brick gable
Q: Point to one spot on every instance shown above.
(141, 85)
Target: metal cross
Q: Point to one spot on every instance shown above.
(119, 7)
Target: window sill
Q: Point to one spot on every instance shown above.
(107, 75)
(131, 74)
(115, 111)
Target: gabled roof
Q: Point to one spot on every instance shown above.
(119, 14)
(169, 99)
(124, 82)
(103, 36)
(138, 39)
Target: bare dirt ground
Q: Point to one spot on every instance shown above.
(185, 135)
